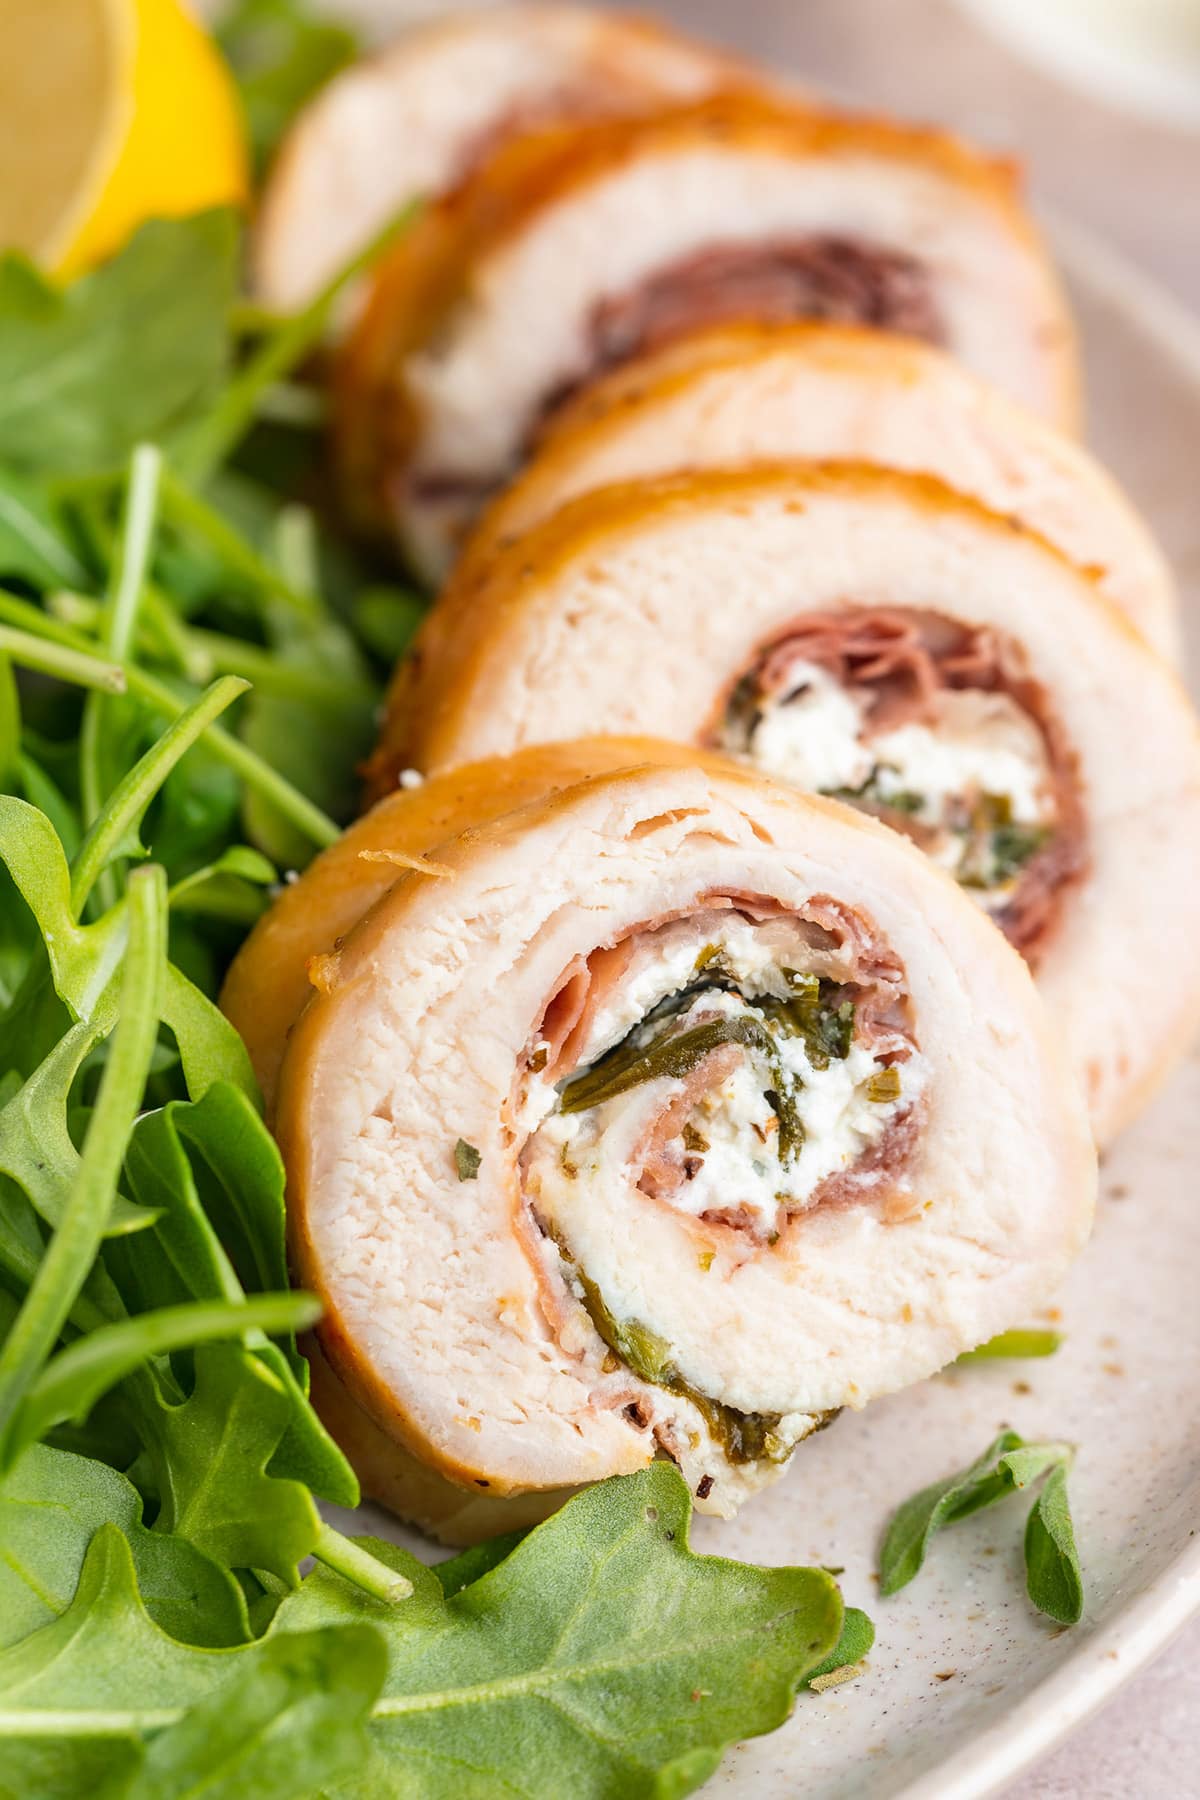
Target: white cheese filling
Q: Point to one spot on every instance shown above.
(729, 1144)
(724, 1158)
(981, 746)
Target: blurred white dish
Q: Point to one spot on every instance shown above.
(1143, 55)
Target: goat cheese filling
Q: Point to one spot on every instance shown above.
(940, 729)
(734, 1075)
(976, 776)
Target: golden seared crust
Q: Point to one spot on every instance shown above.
(602, 404)
(432, 685)
(725, 346)
(269, 981)
(807, 389)
(608, 65)
(433, 265)
(453, 1514)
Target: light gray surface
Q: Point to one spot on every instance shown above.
(1138, 187)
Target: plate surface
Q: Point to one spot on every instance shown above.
(966, 1683)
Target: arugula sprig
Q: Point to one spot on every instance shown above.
(1029, 1341)
(1009, 1465)
(601, 1657)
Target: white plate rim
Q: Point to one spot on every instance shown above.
(1142, 1629)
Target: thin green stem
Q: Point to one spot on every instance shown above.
(52, 658)
(211, 441)
(128, 801)
(74, 1379)
(201, 654)
(133, 552)
(296, 548)
(188, 510)
(359, 1566)
(10, 724)
(25, 615)
(315, 825)
(231, 656)
(72, 1250)
(127, 575)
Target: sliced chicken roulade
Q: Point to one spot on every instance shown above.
(569, 252)
(668, 1113)
(410, 122)
(875, 636)
(753, 393)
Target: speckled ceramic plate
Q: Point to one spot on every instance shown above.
(966, 1684)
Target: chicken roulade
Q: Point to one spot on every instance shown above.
(751, 393)
(875, 636)
(569, 252)
(411, 121)
(668, 1113)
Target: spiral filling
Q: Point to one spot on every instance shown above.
(737, 1069)
(936, 728)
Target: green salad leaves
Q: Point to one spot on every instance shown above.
(599, 1657)
(1009, 1465)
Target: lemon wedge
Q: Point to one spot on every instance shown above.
(111, 112)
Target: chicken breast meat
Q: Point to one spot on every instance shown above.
(568, 252)
(633, 1122)
(741, 394)
(875, 636)
(410, 122)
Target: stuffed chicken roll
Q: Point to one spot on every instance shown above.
(409, 122)
(753, 393)
(567, 253)
(665, 1114)
(877, 637)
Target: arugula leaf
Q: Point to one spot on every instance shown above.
(386, 619)
(469, 1565)
(73, 1380)
(70, 400)
(114, 831)
(33, 546)
(290, 1725)
(1054, 1580)
(279, 1719)
(601, 1657)
(52, 1504)
(36, 1149)
(858, 1636)
(1053, 1577)
(281, 56)
(1031, 1342)
(72, 1250)
(211, 1455)
(212, 1176)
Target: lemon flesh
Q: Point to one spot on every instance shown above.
(111, 112)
